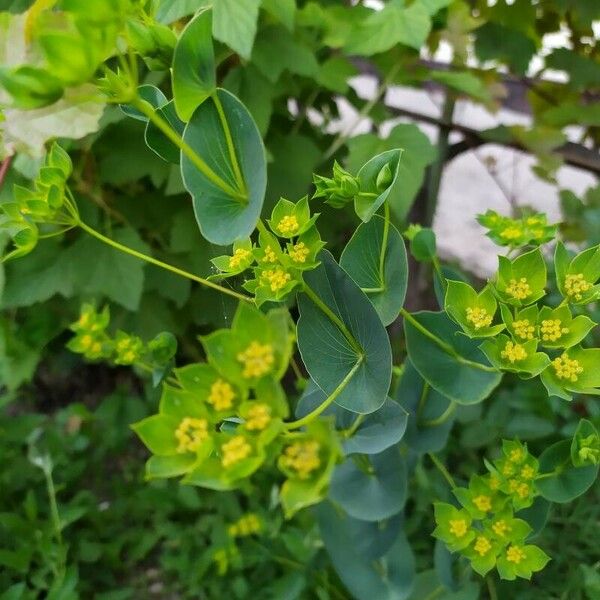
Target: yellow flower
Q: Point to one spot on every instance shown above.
(84, 320)
(516, 455)
(299, 252)
(552, 330)
(288, 225)
(277, 279)
(515, 554)
(483, 503)
(302, 457)
(500, 527)
(507, 470)
(221, 395)
(458, 527)
(524, 329)
(270, 256)
(239, 257)
(527, 472)
(191, 433)
(576, 286)
(519, 290)
(86, 341)
(567, 368)
(513, 352)
(482, 545)
(257, 359)
(523, 490)
(246, 525)
(235, 450)
(511, 233)
(494, 483)
(479, 317)
(258, 417)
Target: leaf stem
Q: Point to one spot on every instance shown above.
(355, 425)
(442, 469)
(382, 253)
(491, 588)
(147, 109)
(335, 320)
(444, 345)
(443, 417)
(327, 402)
(230, 147)
(162, 265)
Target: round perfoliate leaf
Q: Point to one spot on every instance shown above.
(224, 216)
(382, 273)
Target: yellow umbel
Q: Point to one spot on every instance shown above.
(259, 416)
(299, 252)
(221, 395)
(277, 279)
(458, 527)
(524, 329)
(191, 433)
(519, 290)
(479, 317)
(552, 330)
(302, 457)
(239, 256)
(567, 368)
(236, 449)
(483, 503)
(270, 256)
(515, 554)
(257, 359)
(288, 225)
(513, 352)
(576, 286)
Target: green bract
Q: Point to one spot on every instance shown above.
(522, 358)
(472, 311)
(521, 281)
(574, 371)
(577, 277)
(531, 229)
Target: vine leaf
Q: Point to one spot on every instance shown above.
(454, 365)
(361, 259)
(222, 217)
(327, 353)
(194, 78)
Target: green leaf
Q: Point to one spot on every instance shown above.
(583, 71)
(158, 434)
(234, 24)
(456, 368)
(328, 355)
(466, 82)
(377, 178)
(361, 259)
(170, 11)
(569, 482)
(283, 10)
(193, 74)
(157, 141)
(395, 24)
(371, 489)
(418, 153)
(223, 218)
(150, 94)
(351, 545)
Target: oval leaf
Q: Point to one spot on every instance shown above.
(371, 490)
(157, 141)
(328, 355)
(456, 368)
(223, 218)
(362, 260)
(193, 76)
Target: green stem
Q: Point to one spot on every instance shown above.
(355, 425)
(444, 345)
(491, 588)
(386, 231)
(147, 109)
(230, 147)
(335, 320)
(373, 290)
(327, 402)
(340, 140)
(162, 265)
(56, 523)
(442, 469)
(443, 417)
(423, 399)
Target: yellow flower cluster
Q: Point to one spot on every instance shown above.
(567, 368)
(482, 545)
(458, 527)
(515, 554)
(126, 350)
(235, 450)
(288, 225)
(299, 252)
(89, 344)
(221, 395)
(511, 233)
(520, 488)
(270, 256)
(479, 317)
(483, 503)
(519, 290)
(552, 330)
(576, 286)
(258, 417)
(513, 352)
(191, 433)
(501, 527)
(239, 256)
(302, 457)
(247, 525)
(524, 329)
(257, 359)
(277, 278)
